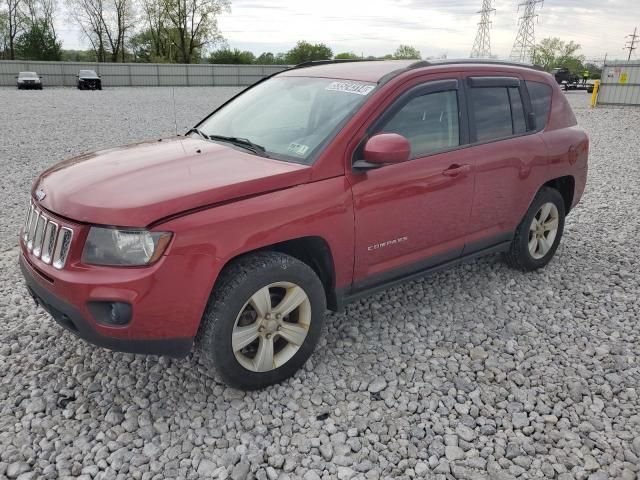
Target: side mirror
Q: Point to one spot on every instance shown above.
(384, 149)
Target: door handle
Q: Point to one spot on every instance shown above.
(456, 170)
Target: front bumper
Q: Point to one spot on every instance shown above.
(69, 317)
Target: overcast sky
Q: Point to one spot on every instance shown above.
(435, 27)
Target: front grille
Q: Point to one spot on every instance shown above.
(46, 239)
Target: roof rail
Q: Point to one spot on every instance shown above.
(315, 63)
(486, 61)
(436, 63)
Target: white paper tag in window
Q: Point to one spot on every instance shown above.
(298, 149)
(351, 87)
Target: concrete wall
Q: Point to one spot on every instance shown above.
(620, 84)
(139, 74)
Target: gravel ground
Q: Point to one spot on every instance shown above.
(478, 372)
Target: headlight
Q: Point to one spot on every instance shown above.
(109, 246)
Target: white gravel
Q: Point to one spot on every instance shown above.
(478, 372)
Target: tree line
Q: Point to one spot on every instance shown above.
(158, 31)
(117, 30)
(553, 53)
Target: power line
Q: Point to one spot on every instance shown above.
(524, 45)
(631, 44)
(482, 45)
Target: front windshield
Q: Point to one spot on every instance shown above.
(291, 117)
(27, 75)
(87, 73)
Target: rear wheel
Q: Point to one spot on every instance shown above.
(538, 235)
(263, 320)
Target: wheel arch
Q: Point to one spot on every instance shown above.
(566, 186)
(314, 251)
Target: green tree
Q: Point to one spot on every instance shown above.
(552, 53)
(232, 57)
(307, 52)
(38, 43)
(78, 56)
(595, 72)
(407, 52)
(196, 22)
(266, 58)
(347, 56)
(143, 46)
(4, 36)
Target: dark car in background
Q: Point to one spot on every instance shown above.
(31, 80)
(89, 80)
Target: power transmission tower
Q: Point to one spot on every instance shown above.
(482, 45)
(631, 44)
(523, 47)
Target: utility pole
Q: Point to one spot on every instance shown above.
(524, 45)
(631, 44)
(482, 45)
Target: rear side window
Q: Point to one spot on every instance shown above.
(498, 112)
(540, 94)
(517, 111)
(492, 113)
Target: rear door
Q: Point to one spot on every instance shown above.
(508, 157)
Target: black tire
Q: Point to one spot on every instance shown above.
(519, 256)
(235, 286)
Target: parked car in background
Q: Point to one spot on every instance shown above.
(29, 80)
(307, 190)
(89, 80)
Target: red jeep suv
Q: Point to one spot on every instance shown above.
(305, 191)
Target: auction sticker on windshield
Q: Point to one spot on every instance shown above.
(298, 149)
(351, 87)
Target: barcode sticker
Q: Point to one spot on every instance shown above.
(351, 87)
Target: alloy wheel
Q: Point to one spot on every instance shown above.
(271, 327)
(543, 230)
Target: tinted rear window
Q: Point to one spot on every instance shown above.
(492, 113)
(540, 94)
(517, 111)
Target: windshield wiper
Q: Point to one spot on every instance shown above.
(241, 142)
(199, 132)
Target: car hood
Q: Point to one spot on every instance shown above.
(136, 185)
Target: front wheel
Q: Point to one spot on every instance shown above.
(263, 320)
(538, 235)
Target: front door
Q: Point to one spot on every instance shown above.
(414, 215)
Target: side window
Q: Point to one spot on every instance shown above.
(517, 111)
(540, 94)
(429, 122)
(491, 113)
(498, 112)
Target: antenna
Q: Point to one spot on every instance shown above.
(631, 44)
(482, 44)
(524, 45)
(175, 115)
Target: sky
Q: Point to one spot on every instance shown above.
(435, 27)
